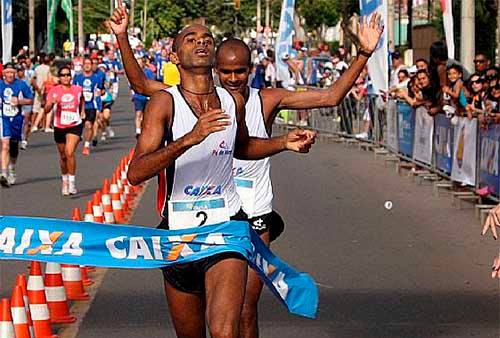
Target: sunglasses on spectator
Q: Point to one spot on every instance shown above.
(65, 74)
(479, 61)
(478, 81)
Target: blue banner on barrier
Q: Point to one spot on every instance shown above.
(406, 123)
(443, 143)
(85, 243)
(488, 161)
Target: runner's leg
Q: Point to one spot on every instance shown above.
(61, 148)
(72, 141)
(249, 327)
(5, 155)
(225, 292)
(187, 311)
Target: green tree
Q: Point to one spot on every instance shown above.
(318, 13)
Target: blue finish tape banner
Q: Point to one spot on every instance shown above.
(124, 246)
(488, 160)
(406, 124)
(443, 143)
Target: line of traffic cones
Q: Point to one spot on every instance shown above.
(40, 301)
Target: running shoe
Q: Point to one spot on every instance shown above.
(362, 135)
(49, 130)
(34, 129)
(65, 188)
(86, 151)
(11, 178)
(72, 189)
(94, 142)
(103, 138)
(110, 132)
(24, 145)
(4, 182)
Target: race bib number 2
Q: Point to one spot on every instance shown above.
(190, 214)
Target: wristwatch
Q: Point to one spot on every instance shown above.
(364, 53)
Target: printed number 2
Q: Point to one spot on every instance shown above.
(204, 215)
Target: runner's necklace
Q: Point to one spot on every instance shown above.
(194, 93)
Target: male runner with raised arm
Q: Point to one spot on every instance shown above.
(190, 135)
(233, 66)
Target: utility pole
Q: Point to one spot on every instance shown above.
(409, 5)
(498, 34)
(267, 12)
(390, 24)
(31, 15)
(144, 23)
(132, 9)
(467, 45)
(81, 36)
(111, 7)
(258, 15)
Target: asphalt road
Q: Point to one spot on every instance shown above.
(420, 269)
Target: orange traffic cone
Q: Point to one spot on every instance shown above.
(56, 295)
(21, 281)
(38, 303)
(84, 270)
(6, 326)
(89, 216)
(109, 217)
(96, 208)
(116, 203)
(72, 280)
(19, 315)
(76, 216)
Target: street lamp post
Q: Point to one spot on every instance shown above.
(81, 37)
(31, 16)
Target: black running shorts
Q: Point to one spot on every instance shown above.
(271, 222)
(60, 133)
(190, 277)
(90, 115)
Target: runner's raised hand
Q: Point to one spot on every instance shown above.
(370, 31)
(118, 22)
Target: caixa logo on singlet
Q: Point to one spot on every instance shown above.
(66, 98)
(204, 190)
(223, 150)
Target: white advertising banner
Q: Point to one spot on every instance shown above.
(464, 152)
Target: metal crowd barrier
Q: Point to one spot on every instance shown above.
(456, 149)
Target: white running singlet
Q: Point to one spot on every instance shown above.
(252, 178)
(198, 188)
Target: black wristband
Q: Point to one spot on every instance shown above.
(364, 53)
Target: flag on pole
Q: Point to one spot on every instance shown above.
(284, 42)
(6, 31)
(51, 23)
(67, 7)
(446, 8)
(378, 67)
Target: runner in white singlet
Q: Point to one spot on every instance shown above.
(211, 290)
(233, 68)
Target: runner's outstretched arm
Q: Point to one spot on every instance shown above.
(150, 156)
(118, 23)
(253, 148)
(369, 36)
